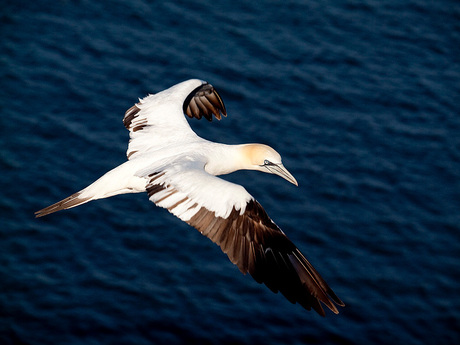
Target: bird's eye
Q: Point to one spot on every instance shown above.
(266, 162)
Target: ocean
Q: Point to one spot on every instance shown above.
(361, 99)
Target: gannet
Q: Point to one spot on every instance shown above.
(178, 170)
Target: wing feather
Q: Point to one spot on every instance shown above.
(204, 101)
(241, 227)
(158, 119)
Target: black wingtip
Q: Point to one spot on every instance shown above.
(204, 101)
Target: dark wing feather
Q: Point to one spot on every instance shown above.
(204, 101)
(256, 245)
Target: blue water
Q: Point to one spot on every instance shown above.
(361, 98)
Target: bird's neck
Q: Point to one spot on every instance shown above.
(225, 159)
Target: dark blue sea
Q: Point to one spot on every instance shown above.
(362, 100)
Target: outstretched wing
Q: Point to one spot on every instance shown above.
(228, 215)
(159, 118)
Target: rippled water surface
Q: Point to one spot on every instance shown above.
(361, 98)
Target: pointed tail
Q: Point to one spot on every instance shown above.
(119, 180)
(69, 202)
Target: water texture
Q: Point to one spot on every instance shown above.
(361, 98)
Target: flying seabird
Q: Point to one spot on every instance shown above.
(179, 170)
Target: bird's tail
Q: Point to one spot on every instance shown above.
(120, 180)
(69, 202)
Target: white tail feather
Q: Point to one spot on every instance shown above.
(120, 180)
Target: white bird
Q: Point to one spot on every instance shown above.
(178, 170)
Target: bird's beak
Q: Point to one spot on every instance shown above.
(280, 170)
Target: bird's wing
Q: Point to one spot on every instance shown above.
(159, 118)
(227, 214)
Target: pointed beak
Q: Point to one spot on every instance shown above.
(280, 170)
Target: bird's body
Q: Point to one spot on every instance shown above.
(179, 170)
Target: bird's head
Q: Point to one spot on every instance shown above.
(264, 158)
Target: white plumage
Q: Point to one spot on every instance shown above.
(179, 170)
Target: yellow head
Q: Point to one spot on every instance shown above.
(264, 158)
